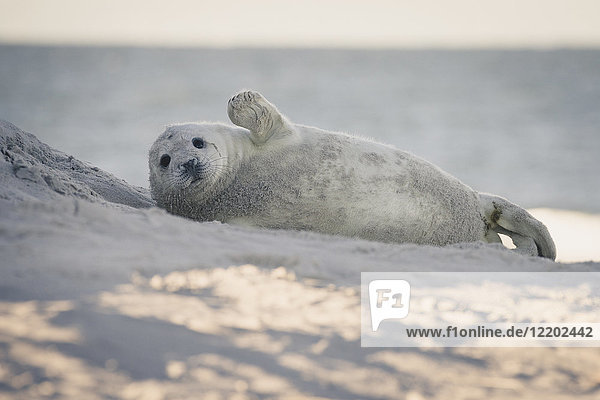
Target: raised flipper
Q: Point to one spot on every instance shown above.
(252, 111)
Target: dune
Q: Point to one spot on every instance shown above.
(103, 295)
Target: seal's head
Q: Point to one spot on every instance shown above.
(189, 159)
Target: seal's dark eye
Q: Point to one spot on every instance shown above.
(198, 142)
(165, 160)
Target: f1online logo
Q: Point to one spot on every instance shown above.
(388, 298)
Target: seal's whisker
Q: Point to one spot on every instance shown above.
(213, 154)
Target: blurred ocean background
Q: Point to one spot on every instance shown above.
(524, 124)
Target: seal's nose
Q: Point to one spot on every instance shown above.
(190, 166)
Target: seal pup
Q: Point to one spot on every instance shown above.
(271, 173)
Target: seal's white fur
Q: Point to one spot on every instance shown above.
(276, 174)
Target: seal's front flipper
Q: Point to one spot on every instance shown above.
(528, 234)
(252, 111)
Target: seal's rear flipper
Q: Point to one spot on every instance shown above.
(528, 234)
(252, 111)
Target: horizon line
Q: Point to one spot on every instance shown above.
(297, 46)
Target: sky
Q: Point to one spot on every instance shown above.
(306, 23)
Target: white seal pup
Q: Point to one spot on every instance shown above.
(275, 174)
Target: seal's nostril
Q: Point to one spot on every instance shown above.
(189, 166)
